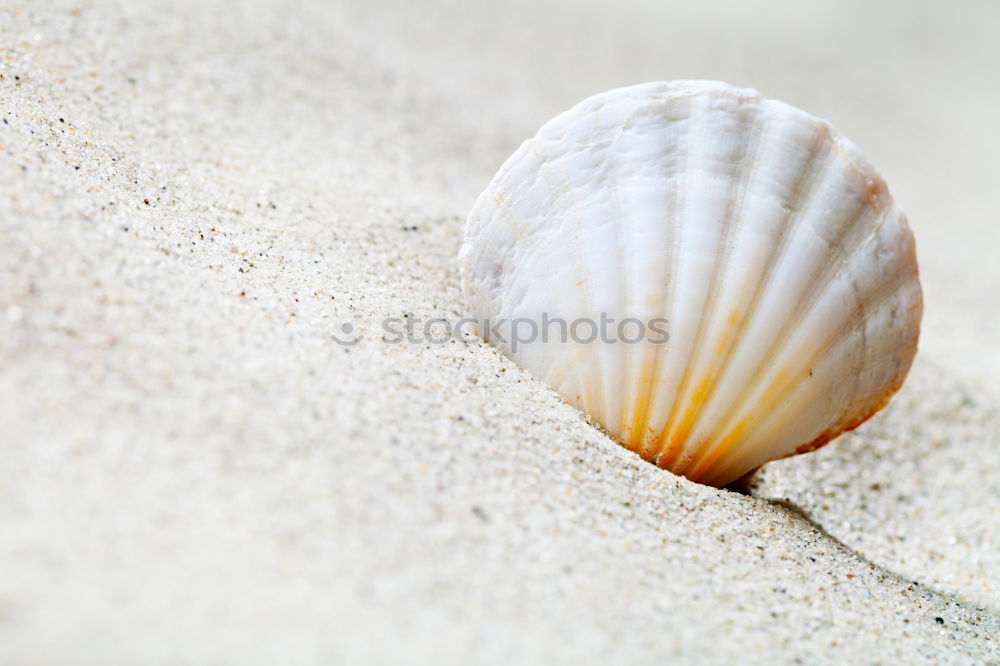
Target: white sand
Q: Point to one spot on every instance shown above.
(192, 471)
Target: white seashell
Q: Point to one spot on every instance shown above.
(784, 270)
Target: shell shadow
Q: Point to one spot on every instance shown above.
(748, 485)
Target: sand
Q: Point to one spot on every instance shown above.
(196, 196)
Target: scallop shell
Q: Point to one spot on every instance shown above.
(768, 249)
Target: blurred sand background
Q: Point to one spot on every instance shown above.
(194, 196)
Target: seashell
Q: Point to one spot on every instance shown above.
(768, 249)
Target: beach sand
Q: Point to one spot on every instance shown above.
(195, 197)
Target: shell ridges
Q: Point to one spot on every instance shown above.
(783, 269)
